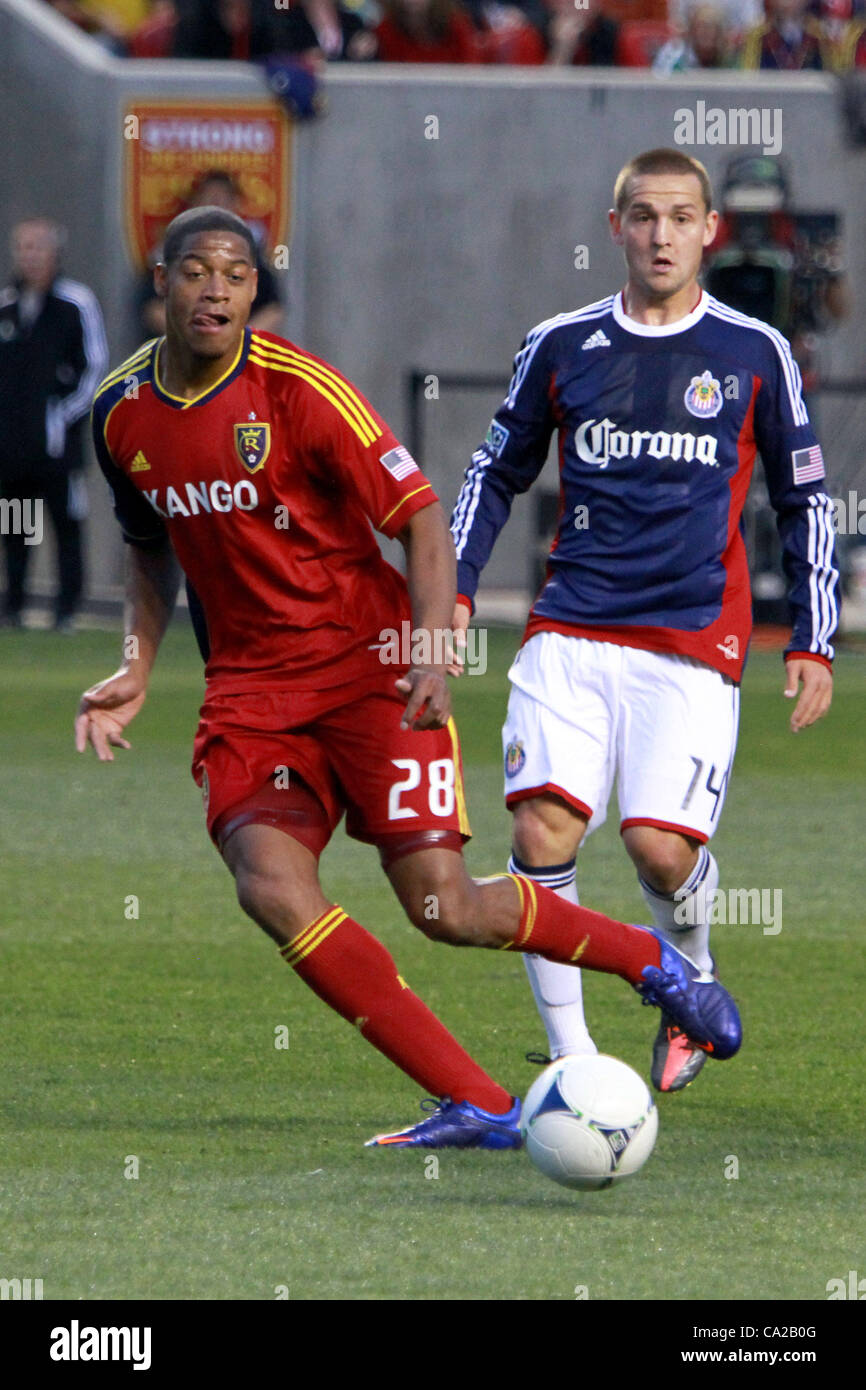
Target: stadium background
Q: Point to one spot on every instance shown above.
(409, 253)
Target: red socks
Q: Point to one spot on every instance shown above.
(350, 970)
(575, 935)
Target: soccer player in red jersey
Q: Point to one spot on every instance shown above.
(263, 471)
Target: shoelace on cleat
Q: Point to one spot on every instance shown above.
(430, 1104)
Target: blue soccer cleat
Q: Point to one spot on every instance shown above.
(456, 1125)
(694, 1000)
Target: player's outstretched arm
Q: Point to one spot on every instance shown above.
(107, 707)
(815, 695)
(432, 579)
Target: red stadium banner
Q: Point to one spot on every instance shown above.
(172, 145)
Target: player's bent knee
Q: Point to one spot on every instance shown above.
(664, 859)
(277, 903)
(444, 914)
(546, 831)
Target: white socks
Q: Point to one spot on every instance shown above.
(681, 916)
(557, 988)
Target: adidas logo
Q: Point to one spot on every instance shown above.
(598, 339)
(139, 463)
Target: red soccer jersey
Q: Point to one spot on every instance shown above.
(267, 485)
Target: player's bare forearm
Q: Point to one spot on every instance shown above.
(431, 571)
(431, 575)
(152, 578)
(107, 707)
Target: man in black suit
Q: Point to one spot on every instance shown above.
(53, 355)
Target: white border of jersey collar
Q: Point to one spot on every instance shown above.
(663, 330)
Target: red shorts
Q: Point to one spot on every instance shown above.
(347, 746)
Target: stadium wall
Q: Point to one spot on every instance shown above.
(436, 213)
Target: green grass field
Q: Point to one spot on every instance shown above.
(153, 1037)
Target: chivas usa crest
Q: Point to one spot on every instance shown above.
(253, 444)
(515, 757)
(704, 396)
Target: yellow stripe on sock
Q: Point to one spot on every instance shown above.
(303, 937)
(509, 945)
(312, 936)
(325, 932)
(580, 950)
(528, 911)
(291, 946)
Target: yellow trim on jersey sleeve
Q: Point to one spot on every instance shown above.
(137, 359)
(105, 428)
(402, 500)
(350, 397)
(462, 813)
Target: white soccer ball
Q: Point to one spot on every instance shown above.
(589, 1121)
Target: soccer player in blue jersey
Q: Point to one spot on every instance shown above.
(661, 397)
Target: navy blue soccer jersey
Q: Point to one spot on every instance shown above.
(658, 429)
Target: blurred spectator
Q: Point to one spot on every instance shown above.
(705, 43)
(852, 48)
(637, 11)
(321, 31)
(154, 37)
(119, 16)
(99, 25)
(789, 40)
(239, 29)
(53, 355)
(739, 15)
(844, 25)
(427, 31)
(509, 33)
(834, 17)
(776, 263)
(585, 36)
(216, 188)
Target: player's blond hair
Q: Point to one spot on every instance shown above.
(660, 161)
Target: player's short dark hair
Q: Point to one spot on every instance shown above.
(661, 161)
(207, 219)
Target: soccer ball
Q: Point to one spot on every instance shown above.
(589, 1121)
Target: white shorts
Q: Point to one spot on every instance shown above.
(582, 714)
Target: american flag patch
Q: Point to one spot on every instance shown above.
(808, 464)
(399, 463)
